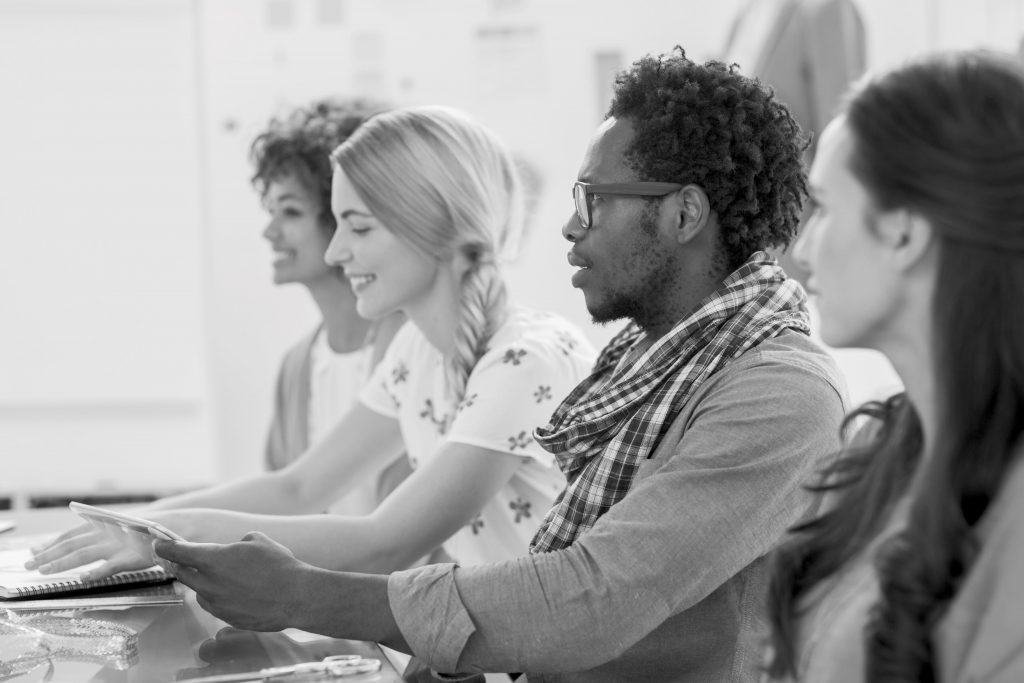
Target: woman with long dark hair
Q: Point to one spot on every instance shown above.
(912, 571)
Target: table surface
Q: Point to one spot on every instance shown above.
(175, 642)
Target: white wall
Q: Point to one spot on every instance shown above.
(102, 360)
(141, 329)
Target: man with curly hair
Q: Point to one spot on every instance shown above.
(684, 451)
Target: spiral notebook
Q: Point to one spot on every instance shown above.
(18, 582)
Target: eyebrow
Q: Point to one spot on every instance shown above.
(353, 212)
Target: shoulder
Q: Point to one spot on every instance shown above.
(790, 364)
(298, 354)
(1002, 527)
(531, 338)
(981, 635)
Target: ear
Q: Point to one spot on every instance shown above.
(908, 235)
(462, 262)
(690, 212)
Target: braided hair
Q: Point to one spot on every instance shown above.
(446, 185)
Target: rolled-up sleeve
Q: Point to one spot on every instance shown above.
(430, 614)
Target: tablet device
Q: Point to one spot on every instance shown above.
(133, 532)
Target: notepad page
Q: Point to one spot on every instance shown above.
(14, 575)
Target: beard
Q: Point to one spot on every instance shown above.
(649, 278)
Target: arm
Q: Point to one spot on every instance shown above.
(435, 501)
(731, 476)
(721, 499)
(361, 444)
(283, 592)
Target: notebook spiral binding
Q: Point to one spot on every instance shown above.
(135, 577)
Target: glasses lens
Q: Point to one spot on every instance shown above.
(579, 193)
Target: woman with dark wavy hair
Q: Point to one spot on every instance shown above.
(913, 570)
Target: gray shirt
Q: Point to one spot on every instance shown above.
(669, 584)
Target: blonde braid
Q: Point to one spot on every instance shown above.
(481, 312)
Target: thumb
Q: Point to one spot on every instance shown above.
(180, 552)
(260, 538)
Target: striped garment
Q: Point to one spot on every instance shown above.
(615, 418)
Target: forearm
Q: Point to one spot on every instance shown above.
(346, 605)
(323, 540)
(272, 493)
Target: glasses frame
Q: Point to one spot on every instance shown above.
(581, 192)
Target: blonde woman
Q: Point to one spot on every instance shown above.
(428, 204)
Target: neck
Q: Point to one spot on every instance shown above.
(437, 314)
(912, 358)
(687, 299)
(346, 330)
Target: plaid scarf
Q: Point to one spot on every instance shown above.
(614, 418)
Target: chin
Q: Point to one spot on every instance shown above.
(367, 312)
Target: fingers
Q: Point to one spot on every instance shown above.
(121, 562)
(69, 543)
(72, 559)
(70, 533)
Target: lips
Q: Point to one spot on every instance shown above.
(359, 282)
(577, 261)
(282, 255)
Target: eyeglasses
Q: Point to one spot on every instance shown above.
(581, 194)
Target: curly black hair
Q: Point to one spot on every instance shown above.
(301, 144)
(709, 125)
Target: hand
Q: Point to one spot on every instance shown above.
(253, 584)
(82, 545)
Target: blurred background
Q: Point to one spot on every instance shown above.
(141, 331)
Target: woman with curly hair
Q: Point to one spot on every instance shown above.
(912, 571)
(428, 205)
(320, 375)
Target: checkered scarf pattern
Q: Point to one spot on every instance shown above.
(613, 420)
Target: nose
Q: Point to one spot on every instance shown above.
(272, 231)
(803, 246)
(572, 230)
(338, 252)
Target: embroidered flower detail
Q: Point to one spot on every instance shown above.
(521, 440)
(513, 356)
(521, 508)
(467, 402)
(476, 524)
(440, 421)
(568, 343)
(400, 373)
(391, 394)
(543, 393)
